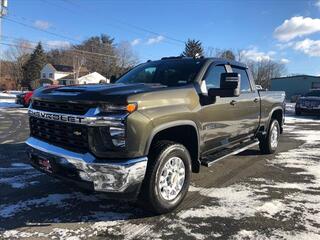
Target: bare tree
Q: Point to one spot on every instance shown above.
(78, 62)
(126, 57)
(18, 55)
(263, 71)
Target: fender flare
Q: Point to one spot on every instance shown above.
(271, 113)
(168, 125)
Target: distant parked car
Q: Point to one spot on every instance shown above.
(308, 103)
(24, 98)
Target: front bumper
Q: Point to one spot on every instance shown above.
(117, 177)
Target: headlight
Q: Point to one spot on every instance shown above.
(118, 113)
(118, 135)
(129, 108)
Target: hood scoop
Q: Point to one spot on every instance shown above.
(72, 90)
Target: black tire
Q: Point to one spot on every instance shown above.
(265, 144)
(150, 194)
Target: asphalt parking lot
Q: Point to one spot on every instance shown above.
(248, 196)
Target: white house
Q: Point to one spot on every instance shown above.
(55, 72)
(91, 78)
(64, 75)
(94, 77)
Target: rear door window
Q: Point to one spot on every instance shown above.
(245, 85)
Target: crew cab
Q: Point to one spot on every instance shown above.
(142, 137)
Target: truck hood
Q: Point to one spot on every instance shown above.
(115, 93)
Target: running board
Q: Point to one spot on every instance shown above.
(209, 160)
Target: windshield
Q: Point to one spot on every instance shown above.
(313, 94)
(169, 73)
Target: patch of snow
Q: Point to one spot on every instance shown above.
(58, 200)
(6, 104)
(246, 234)
(301, 119)
(8, 95)
(290, 108)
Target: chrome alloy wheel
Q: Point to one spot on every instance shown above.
(274, 137)
(172, 178)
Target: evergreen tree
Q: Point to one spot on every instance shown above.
(228, 54)
(32, 68)
(193, 48)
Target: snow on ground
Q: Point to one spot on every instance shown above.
(9, 95)
(290, 107)
(8, 103)
(25, 176)
(241, 201)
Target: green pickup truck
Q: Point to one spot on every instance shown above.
(142, 137)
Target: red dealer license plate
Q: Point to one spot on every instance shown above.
(45, 165)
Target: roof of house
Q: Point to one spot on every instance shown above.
(93, 76)
(302, 76)
(72, 76)
(66, 68)
(63, 68)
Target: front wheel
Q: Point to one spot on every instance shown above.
(269, 144)
(167, 178)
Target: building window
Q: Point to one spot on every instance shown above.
(43, 75)
(50, 75)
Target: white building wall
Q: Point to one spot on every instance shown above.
(92, 78)
(49, 69)
(46, 70)
(58, 75)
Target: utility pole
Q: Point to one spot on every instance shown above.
(3, 12)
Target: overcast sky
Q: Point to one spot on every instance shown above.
(283, 30)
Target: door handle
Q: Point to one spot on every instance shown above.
(233, 102)
(256, 100)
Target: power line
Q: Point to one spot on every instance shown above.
(41, 30)
(70, 50)
(33, 21)
(93, 54)
(143, 29)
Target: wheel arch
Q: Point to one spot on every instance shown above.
(278, 114)
(184, 132)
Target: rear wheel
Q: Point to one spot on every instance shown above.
(269, 143)
(167, 178)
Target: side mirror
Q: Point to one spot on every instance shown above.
(229, 86)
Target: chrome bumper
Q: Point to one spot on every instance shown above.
(114, 176)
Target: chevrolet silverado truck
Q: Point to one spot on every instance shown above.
(142, 137)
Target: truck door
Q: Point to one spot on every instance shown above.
(247, 105)
(219, 120)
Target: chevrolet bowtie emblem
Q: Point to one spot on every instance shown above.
(77, 133)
